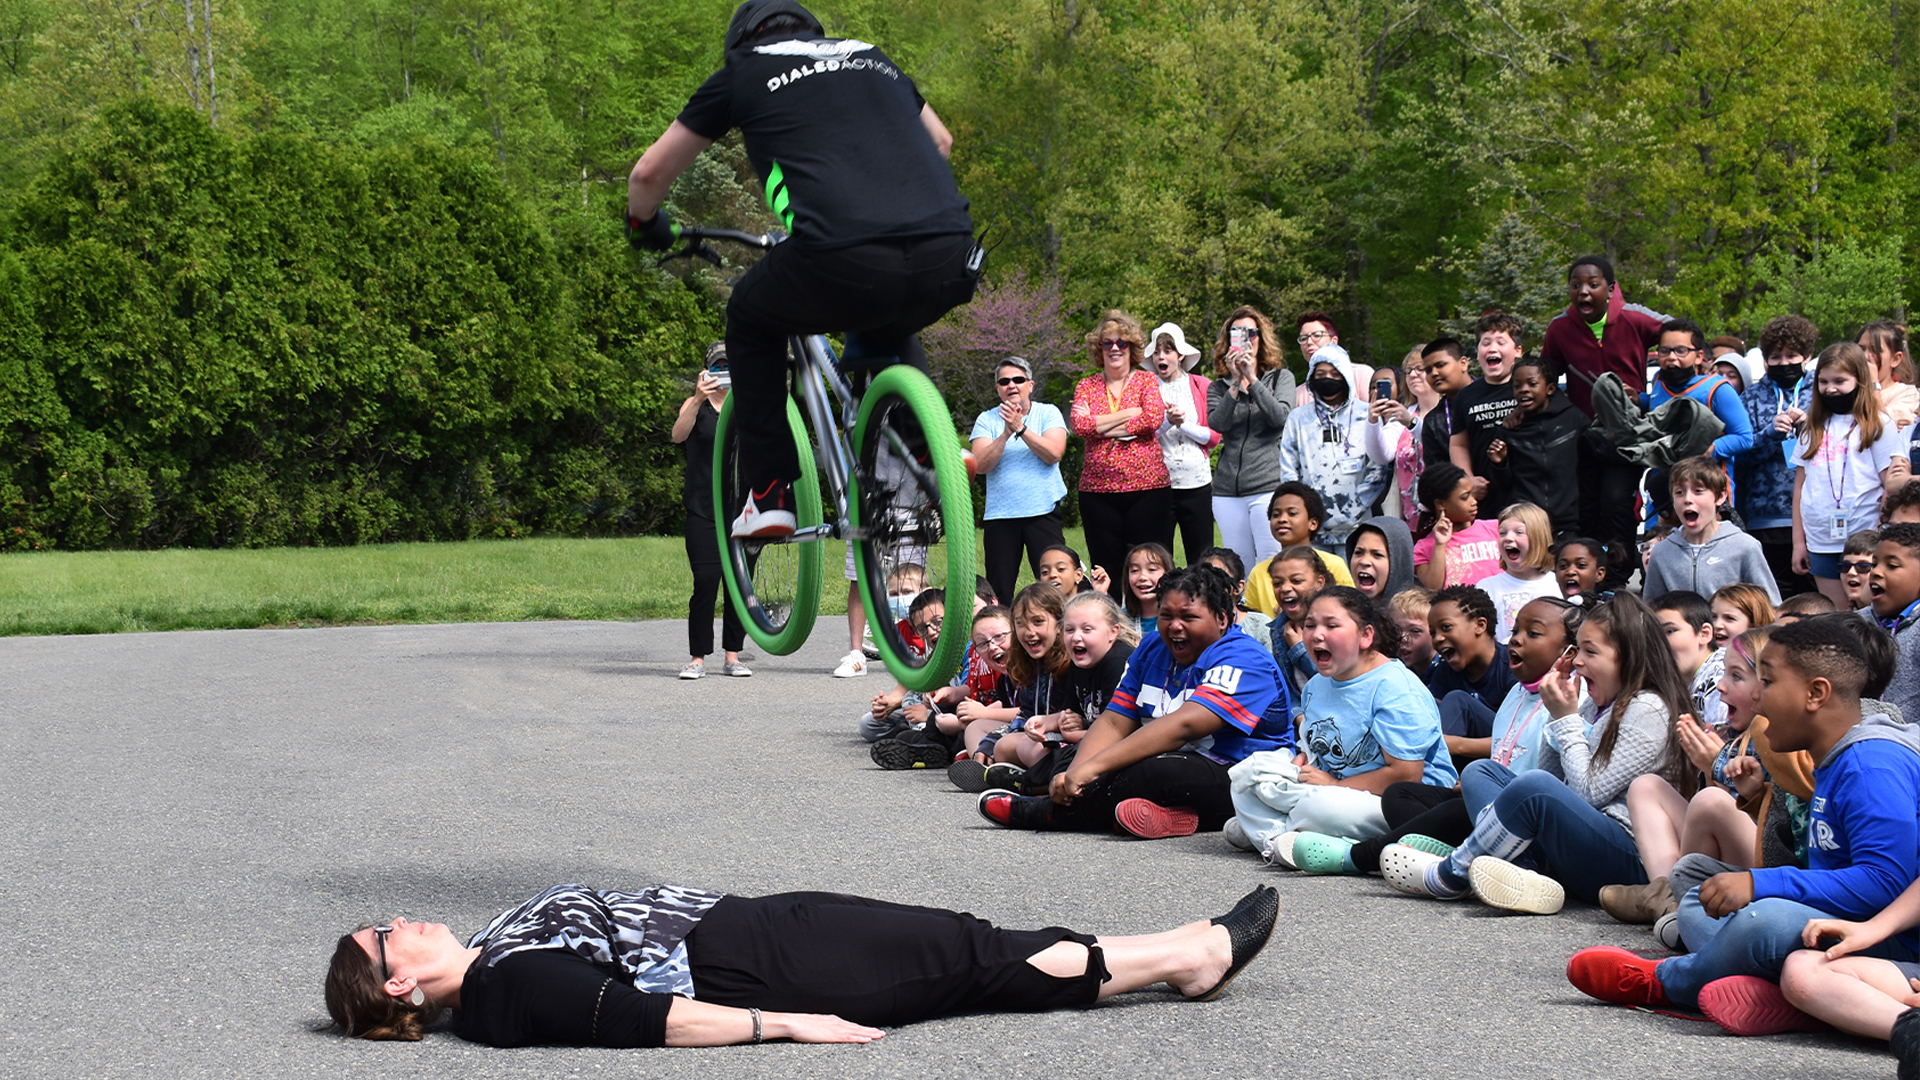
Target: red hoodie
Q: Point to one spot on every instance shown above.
(1622, 349)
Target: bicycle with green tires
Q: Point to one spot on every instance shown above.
(897, 486)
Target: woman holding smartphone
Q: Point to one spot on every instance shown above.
(1247, 405)
(693, 429)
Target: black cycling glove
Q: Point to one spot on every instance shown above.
(657, 233)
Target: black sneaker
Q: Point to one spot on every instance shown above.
(894, 754)
(1004, 774)
(969, 775)
(1010, 811)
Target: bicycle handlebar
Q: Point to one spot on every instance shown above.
(696, 237)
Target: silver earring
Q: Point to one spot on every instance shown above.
(419, 996)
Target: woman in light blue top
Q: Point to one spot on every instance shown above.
(1017, 446)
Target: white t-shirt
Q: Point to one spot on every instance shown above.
(1841, 493)
(1510, 594)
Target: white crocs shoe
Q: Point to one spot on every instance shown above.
(1405, 868)
(1498, 883)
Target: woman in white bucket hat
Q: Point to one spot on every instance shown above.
(1184, 435)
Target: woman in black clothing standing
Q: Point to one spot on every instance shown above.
(693, 430)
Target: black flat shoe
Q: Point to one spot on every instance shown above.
(1249, 925)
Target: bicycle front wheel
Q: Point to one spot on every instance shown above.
(773, 587)
(915, 518)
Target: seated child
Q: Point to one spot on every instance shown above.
(1570, 821)
(1856, 566)
(1738, 609)
(1804, 606)
(1866, 818)
(1543, 638)
(1227, 561)
(1902, 505)
(1705, 552)
(1146, 564)
(1526, 556)
(1099, 639)
(1294, 513)
(1298, 575)
(1474, 673)
(1034, 668)
(1719, 819)
(1366, 723)
(1380, 556)
(1687, 619)
(1410, 608)
(979, 691)
(1895, 592)
(1461, 549)
(899, 709)
(1589, 568)
(1196, 698)
(1060, 567)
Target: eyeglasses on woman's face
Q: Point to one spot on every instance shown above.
(1011, 380)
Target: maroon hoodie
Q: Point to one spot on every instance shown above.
(1622, 348)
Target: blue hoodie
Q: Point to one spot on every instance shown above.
(1863, 826)
(1760, 473)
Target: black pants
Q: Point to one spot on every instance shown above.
(886, 291)
(876, 963)
(1193, 513)
(1194, 781)
(703, 555)
(1609, 487)
(1415, 808)
(1006, 538)
(1117, 520)
(1776, 545)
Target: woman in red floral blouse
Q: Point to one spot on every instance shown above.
(1126, 497)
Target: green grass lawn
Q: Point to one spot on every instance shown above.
(101, 592)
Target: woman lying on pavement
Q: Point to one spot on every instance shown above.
(1196, 698)
(673, 966)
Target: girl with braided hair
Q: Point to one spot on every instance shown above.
(1196, 698)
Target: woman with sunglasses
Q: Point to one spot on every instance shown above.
(1126, 496)
(672, 966)
(1247, 404)
(1017, 447)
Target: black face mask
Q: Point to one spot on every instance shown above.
(1786, 375)
(1327, 387)
(1676, 379)
(1840, 404)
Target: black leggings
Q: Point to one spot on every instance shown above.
(1415, 808)
(1194, 781)
(703, 555)
(1117, 520)
(1006, 538)
(876, 963)
(1193, 513)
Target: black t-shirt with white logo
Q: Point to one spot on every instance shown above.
(833, 129)
(1480, 409)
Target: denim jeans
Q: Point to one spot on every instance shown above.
(1572, 842)
(1752, 941)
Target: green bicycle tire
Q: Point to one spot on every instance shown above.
(779, 624)
(905, 388)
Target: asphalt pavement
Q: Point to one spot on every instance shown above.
(189, 820)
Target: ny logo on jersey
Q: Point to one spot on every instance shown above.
(1223, 678)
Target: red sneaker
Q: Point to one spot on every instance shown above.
(1749, 1005)
(1148, 820)
(1011, 811)
(1616, 975)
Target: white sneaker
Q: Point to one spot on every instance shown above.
(694, 670)
(1499, 883)
(851, 665)
(1236, 835)
(1405, 868)
(1666, 930)
(755, 523)
(1279, 850)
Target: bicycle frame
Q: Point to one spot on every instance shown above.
(824, 392)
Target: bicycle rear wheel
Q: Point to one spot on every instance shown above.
(774, 587)
(915, 507)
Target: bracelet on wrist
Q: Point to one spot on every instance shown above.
(758, 1031)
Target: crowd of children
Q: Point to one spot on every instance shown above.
(1474, 699)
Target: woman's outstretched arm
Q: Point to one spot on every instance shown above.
(698, 1023)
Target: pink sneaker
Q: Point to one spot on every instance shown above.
(1749, 1005)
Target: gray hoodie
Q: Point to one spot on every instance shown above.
(1903, 690)
(1399, 553)
(1729, 558)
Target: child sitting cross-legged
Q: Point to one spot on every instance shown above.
(1863, 848)
(1366, 722)
(1409, 609)
(1571, 824)
(1475, 671)
(1419, 813)
(900, 710)
(1294, 514)
(1687, 619)
(1099, 639)
(1146, 565)
(980, 691)
(1298, 574)
(1035, 664)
